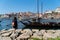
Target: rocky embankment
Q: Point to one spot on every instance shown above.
(27, 34)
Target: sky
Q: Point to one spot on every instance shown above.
(8, 6)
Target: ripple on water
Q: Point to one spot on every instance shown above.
(6, 24)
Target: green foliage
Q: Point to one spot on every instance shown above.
(58, 38)
(36, 39)
(51, 39)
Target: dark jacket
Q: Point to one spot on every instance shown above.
(15, 23)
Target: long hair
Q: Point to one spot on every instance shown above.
(15, 18)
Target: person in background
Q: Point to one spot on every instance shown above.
(14, 23)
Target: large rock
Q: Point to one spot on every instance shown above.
(42, 32)
(24, 34)
(11, 29)
(57, 34)
(3, 31)
(6, 34)
(51, 31)
(57, 31)
(19, 30)
(14, 35)
(49, 35)
(5, 38)
(36, 36)
(25, 30)
(23, 37)
(35, 30)
(28, 31)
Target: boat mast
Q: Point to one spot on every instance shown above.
(41, 7)
(38, 9)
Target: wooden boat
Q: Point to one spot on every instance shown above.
(39, 25)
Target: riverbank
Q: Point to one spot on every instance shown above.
(27, 34)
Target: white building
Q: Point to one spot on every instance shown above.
(57, 10)
(4, 16)
(48, 11)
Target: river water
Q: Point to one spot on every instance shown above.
(6, 23)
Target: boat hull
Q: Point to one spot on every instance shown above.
(42, 26)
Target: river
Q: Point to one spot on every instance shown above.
(6, 23)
